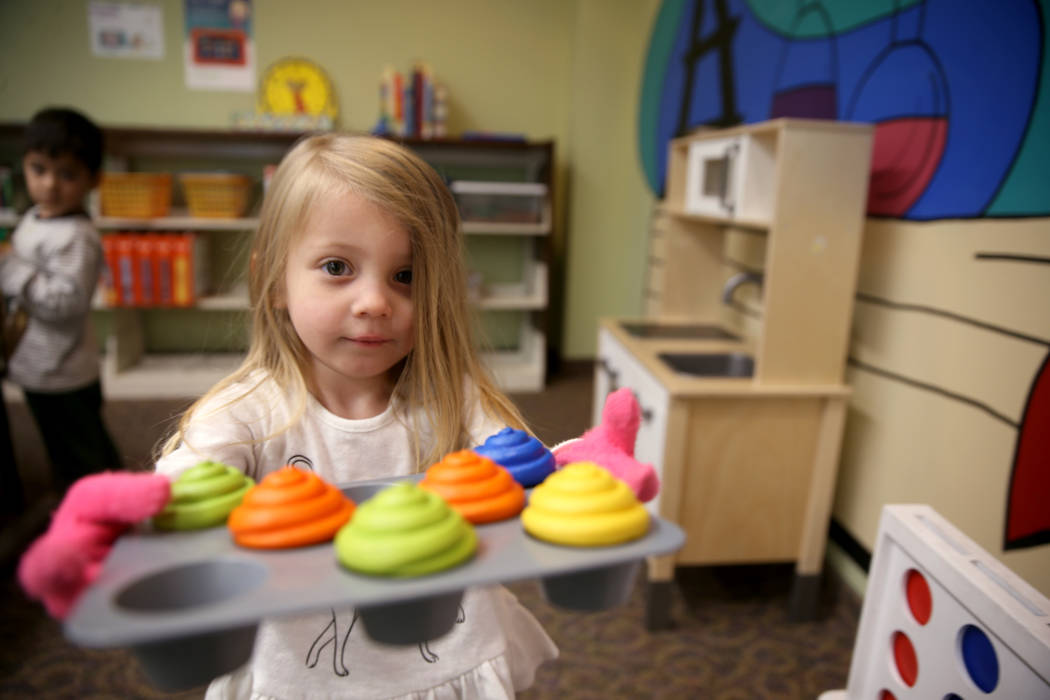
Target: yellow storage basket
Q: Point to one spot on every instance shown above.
(136, 195)
(217, 195)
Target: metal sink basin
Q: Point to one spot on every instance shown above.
(724, 364)
(655, 329)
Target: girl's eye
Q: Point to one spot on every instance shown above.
(404, 277)
(336, 268)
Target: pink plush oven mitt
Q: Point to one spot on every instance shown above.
(611, 445)
(96, 510)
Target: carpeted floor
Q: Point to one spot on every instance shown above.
(731, 639)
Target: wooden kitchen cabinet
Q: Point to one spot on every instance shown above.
(745, 384)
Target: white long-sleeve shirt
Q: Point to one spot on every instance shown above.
(493, 652)
(53, 270)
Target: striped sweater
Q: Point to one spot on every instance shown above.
(53, 270)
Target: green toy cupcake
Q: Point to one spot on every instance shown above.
(404, 531)
(203, 496)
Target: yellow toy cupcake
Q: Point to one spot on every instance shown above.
(583, 505)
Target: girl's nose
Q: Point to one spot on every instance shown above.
(371, 300)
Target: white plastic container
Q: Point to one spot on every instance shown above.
(500, 202)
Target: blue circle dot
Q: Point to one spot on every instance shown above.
(979, 657)
(952, 696)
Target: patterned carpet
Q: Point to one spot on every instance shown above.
(731, 639)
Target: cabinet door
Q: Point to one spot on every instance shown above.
(618, 368)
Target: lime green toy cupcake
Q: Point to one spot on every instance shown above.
(203, 496)
(405, 531)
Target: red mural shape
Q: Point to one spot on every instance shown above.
(905, 156)
(1027, 512)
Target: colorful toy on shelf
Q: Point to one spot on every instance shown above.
(611, 444)
(404, 531)
(525, 457)
(478, 488)
(203, 496)
(583, 505)
(289, 508)
(95, 511)
(944, 619)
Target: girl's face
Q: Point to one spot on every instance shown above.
(348, 291)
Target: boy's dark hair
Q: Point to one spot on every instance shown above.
(58, 130)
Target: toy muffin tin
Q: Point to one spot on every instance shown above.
(188, 603)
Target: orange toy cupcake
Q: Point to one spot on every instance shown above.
(481, 490)
(289, 508)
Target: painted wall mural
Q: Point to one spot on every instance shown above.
(959, 93)
(953, 87)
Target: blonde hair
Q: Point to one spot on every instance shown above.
(444, 353)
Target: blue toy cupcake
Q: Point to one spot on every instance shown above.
(525, 457)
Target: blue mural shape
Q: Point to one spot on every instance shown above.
(951, 87)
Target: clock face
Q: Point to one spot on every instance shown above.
(296, 86)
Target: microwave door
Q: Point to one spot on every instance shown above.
(718, 174)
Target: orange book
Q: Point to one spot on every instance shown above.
(163, 273)
(110, 271)
(142, 275)
(125, 257)
(183, 285)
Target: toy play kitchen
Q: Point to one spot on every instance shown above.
(739, 366)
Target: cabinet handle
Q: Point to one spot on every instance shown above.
(647, 413)
(612, 374)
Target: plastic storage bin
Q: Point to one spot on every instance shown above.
(136, 195)
(500, 202)
(216, 195)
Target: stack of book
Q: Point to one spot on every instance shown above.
(153, 269)
(412, 106)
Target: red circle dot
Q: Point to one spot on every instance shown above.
(920, 601)
(887, 695)
(904, 657)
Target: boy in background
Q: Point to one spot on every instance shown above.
(52, 272)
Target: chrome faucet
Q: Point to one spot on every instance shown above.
(736, 280)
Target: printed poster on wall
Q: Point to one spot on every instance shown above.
(219, 53)
(120, 30)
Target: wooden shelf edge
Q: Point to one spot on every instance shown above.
(179, 222)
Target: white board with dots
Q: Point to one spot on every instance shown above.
(944, 620)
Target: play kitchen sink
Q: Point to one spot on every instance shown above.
(739, 365)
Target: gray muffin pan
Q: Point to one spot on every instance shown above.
(188, 603)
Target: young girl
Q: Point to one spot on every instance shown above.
(361, 366)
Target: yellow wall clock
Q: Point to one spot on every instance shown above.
(297, 86)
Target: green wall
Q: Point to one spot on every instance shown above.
(567, 70)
